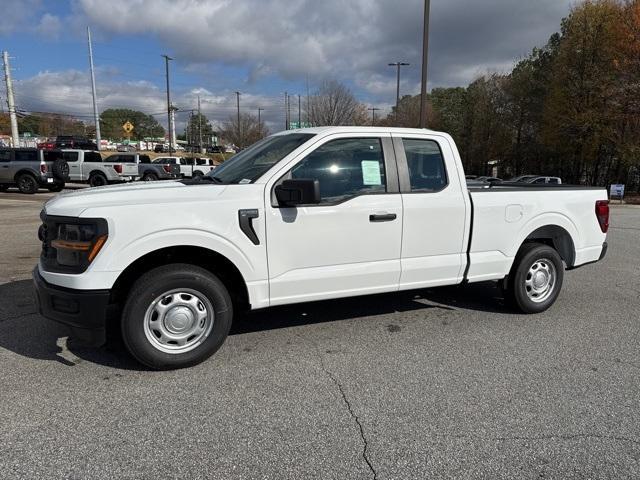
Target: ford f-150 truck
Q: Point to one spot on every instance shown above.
(302, 215)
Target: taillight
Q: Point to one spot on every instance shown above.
(43, 168)
(118, 168)
(167, 168)
(602, 213)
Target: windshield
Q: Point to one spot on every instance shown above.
(250, 164)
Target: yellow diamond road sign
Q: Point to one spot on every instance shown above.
(128, 126)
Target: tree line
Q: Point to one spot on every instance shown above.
(570, 108)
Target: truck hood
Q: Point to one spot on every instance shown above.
(72, 204)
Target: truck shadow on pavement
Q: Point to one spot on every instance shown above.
(24, 332)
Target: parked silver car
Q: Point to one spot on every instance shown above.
(30, 169)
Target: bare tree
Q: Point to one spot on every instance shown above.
(334, 104)
(248, 132)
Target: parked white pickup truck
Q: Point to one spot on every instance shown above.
(309, 214)
(189, 166)
(87, 166)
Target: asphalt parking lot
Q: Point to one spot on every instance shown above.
(439, 383)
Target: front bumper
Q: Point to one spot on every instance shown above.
(85, 312)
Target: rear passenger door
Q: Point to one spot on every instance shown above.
(435, 209)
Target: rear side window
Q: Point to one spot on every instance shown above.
(427, 172)
(93, 157)
(71, 156)
(26, 156)
(202, 161)
(143, 159)
(125, 158)
(345, 168)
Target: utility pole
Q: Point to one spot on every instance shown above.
(425, 58)
(373, 111)
(199, 126)
(260, 109)
(238, 108)
(286, 114)
(15, 137)
(288, 111)
(93, 90)
(169, 109)
(299, 112)
(398, 65)
(308, 106)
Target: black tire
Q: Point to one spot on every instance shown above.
(4, 188)
(149, 177)
(60, 169)
(147, 291)
(197, 174)
(97, 180)
(521, 292)
(56, 187)
(27, 183)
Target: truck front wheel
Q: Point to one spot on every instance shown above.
(535, 279)
(176, 316)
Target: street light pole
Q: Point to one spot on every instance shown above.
(373, 115)
(425, 58)
(169, 110)
(260, 109)
(398, 65)
(238, 108)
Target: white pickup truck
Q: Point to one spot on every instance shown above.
(303, 215)
(86, 166)
(189, 166)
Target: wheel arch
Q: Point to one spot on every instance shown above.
(210, 260)
(27, 171)
(556, 237)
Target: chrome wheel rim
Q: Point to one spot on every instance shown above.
(178, 320)
(540, 280)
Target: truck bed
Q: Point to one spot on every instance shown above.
(505, 215)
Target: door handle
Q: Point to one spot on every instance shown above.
(382, 217)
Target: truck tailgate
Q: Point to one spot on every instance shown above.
(129, 170)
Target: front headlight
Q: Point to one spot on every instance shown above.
(70, 244)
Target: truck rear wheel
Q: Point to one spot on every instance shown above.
(535, 279)
(176, 316)
(149, 177)
(27, 183)
(97, 180)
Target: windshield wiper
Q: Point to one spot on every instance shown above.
(208, 178)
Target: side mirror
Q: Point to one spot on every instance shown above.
(304, 191)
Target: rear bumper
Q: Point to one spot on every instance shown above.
(83, 311)
(605, 246)
(592, 256)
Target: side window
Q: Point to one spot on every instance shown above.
(186, 161)
(26, 155)
(345, 168)
(93, 157)
(540, 180)
(144, 159)
(73, 156)
(5, 155)
(427, 172)
(553, 180)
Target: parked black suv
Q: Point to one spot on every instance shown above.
(75, 142)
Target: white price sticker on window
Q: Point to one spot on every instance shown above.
(371, 172)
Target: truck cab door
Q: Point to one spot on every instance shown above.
(349, 243)
(436, 209)
(75, 165)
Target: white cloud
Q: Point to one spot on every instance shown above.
(15, 14)
(50, 26)
(69, 92)
(348, 40)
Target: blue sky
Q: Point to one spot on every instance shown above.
(259, 47)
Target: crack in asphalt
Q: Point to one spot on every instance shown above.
(356, 419)
(346, 401)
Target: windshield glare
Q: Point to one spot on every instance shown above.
(250, 164)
